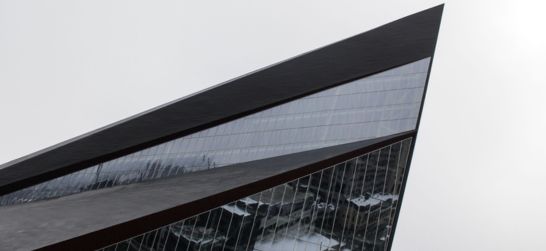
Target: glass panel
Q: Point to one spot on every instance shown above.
(349, 206)
(382, 104)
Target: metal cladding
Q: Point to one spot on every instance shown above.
(308, 154)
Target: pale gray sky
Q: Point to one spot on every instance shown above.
(478, 177)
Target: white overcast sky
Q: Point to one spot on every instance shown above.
(478, 177)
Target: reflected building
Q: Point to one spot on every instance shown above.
(308, 154)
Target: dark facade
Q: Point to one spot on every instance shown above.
(314, 157)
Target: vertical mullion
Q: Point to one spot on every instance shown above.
(192, 230)
(254, 220)
(383, 192)
(129, 241)
(337, 203)
(153, 240)
(327, 197)
(371, 196)
(168, 234)
(217, 226)
(205, 230)
(296, 236)
(141, 241)
(279, 214)
(353, 177)
(240, 227)
(229, 226)
(315, 206)
(267, 212)
(292, 206)
(180, 233)
(357, 219)
(404, 167)
(393, 194)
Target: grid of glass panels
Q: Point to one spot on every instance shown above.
(348, 206)
(382, 104)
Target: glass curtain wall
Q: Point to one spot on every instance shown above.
(378, 105)
(348, 206)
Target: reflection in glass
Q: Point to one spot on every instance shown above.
(348, 206)
(378, 105)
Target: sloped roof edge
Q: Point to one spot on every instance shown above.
(400, 42)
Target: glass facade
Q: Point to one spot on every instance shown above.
(348, 206)
(382, 104)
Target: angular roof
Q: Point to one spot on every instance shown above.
(400, 42)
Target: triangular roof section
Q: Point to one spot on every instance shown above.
(400, 42)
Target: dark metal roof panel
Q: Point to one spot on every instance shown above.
(397, 43)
